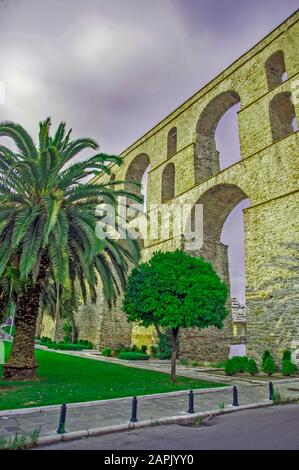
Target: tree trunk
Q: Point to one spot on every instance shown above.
(75, 332)
(57, 314)
(174, 333)
(21, 363)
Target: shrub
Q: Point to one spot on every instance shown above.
(165, 346)
(143, 349)
(134, 348)
(269, 365)
(184, 361)
(106, 352)
(266, 354)
(286, 356)
(240, 363)
(252, 368)
(288, 367)
(45, 339)
(154, 350)
(219, 365)
(133, 356)
(194, 363)
(230, 367)
(88, 344)
(65, 346)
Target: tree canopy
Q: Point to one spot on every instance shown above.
(176, 290)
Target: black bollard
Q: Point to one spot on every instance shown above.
(271, 391)
(235, 396)
(134, 411)
(61, 425)
(191, 402)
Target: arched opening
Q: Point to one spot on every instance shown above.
(275, 70)
(207, 157)
(282, 116)
(137, 173)
(223, 246)
(168, 183)
(172, 142)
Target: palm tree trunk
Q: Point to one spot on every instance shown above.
(174, 332)
(57, 313)
(21, 363)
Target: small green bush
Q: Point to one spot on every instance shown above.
(134, 348)
(45, 339)
(230, 367)
(106, 352)
(240, 363)
(143, 349)
(269, 366)
(194, 363)
(88, 344)
(286, 356)
(288, 367)
(184, 361)
(133, 356)
(266, 354)
(251, 367)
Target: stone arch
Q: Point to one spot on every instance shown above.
(137, 172)
(217, 203)
(168, 183)
(275, 69)
(172, 142)
(206, 159)
(282, 115)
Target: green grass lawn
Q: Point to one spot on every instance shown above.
(70, 379)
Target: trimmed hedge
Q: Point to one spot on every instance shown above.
(65, 346)
(107, 352)
(133, 356)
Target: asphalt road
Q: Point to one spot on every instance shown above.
(273, 428)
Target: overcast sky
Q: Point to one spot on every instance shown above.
(113, 68)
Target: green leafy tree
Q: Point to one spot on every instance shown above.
(175, 290)
(48, 218)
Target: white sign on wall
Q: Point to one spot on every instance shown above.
(237, 350)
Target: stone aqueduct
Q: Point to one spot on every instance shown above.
(184, 166)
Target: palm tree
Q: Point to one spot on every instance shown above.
(48, 218)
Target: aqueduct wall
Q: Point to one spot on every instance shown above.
(184, 168)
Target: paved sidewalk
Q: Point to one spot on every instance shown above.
(118, 411)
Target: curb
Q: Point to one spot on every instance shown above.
(180, 420)
(40, 409)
